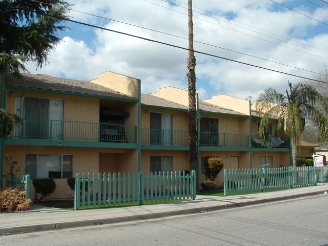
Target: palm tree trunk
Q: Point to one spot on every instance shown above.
(294, 152)
(192, 95)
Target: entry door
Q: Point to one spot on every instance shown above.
(234, 162)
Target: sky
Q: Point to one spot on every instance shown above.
(289, 36)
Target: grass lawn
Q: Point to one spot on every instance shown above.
(219, 192)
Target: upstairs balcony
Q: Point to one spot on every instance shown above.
(75, 131)
(228, 140)
(271, 142)
(164, 137)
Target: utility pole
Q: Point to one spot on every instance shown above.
(193, 143)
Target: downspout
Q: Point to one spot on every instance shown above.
(3, 106)
(250, 135)
(198, 139)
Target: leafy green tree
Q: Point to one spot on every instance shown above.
(301, 102)
(27, 33)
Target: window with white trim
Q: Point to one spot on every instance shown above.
(49, 166)
(161, 164)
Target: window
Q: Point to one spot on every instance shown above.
(49, 166)
(160, 129)
(266, 161)
(209, 131)
(161, 164)
(43, 118)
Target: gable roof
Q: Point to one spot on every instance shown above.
(54, 84)
(150, 100)
(208, 107)
(303, 143)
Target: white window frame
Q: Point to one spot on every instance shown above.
(61, 165)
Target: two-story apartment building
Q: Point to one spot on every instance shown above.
(107, 125)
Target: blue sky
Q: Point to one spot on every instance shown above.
(248, 28)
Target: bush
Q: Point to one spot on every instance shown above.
(71, 183)
(208, 185)
(303, 162)
(43, 187)
(213, 166)
(13, 200)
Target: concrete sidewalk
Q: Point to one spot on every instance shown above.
(40, 218)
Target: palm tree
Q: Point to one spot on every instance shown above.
(8, 122)
(301, 102)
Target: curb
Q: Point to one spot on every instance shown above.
(93, 222)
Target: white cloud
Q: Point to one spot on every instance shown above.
(159, 66)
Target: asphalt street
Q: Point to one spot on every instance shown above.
(300, 221)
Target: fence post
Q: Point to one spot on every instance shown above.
(193, 172)
(290, 177)
(27, 186)
(77, 192)
(314, 171)
(225, 182)
(262, 180)
(140, 190)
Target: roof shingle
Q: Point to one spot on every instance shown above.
(45, 82)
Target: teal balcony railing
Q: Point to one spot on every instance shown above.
(271, 142)
(164, 137)
(224, 139)
(75, 131)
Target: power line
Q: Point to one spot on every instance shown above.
(176, 46)
(242, 32)
(280, 38)
(126, 23)
(324, 1)
(317, 5)
(299, 12)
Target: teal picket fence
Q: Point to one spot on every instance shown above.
(243, 181)
(132, 188)
(322, 174)
(22, 181)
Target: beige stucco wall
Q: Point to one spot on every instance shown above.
(229, 102)
(119, 83)
(127, 162)
(173, 94)
(85, 160)
(180, 159)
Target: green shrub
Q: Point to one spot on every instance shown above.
(208, 185)
(304, 162)
(71, 183)
(213, 166)
(43, 187)
(309, 163)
